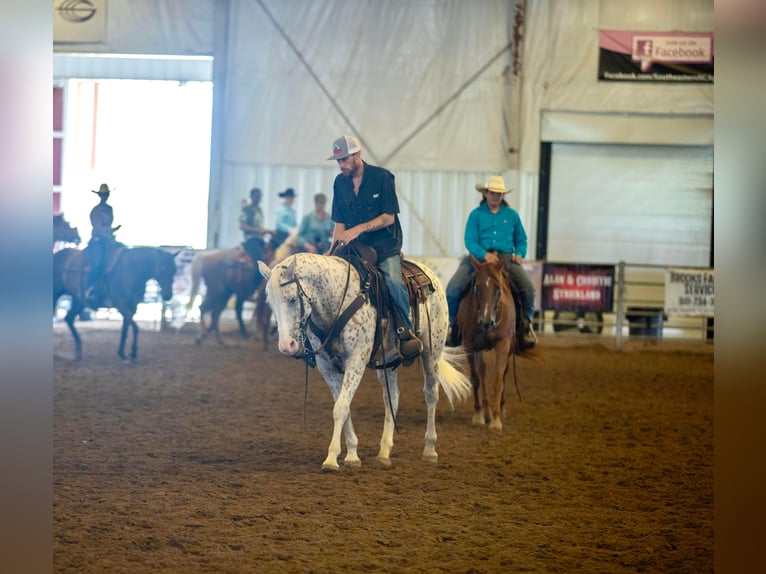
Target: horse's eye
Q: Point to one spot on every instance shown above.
(292, 300)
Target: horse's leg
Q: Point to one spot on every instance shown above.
(431, 394)
(496, 378)
(134, 346)
(342, 386)
(390, 388)
(215, 315)
(75, 308)
(203, 310)
(238, 312)
(478, 416)
(127, 322)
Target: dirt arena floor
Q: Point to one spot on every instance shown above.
(205, 460)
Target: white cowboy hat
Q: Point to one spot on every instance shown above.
(494, 183)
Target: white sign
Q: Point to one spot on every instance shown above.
(79, 20)
(690, 292)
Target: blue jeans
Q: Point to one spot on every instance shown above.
(459, 282)
(391, 268)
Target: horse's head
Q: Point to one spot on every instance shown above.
(289, 302)
(166, 272)
(63, 231)
(492, 295)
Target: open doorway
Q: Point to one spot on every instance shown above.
(149, 140)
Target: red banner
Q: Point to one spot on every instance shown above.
(572, 287)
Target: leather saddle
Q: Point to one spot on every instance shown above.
(419, 287)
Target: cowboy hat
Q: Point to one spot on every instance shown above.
(494, 183)
(102, 189)
(289, 192)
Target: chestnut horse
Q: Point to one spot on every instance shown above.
(487, 321)
(226, 272)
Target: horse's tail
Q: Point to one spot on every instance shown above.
(453, 380)
(196, 273)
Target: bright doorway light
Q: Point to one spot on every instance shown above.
(150, 142)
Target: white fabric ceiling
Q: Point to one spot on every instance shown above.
(379, 70)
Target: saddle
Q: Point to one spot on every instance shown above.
(419, 286)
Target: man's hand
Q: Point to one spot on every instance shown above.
(490, 257)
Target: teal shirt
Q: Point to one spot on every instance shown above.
(501, 231)
(315, 231)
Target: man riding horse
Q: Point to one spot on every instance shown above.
(101, 244)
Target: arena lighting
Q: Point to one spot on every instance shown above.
(76, 11)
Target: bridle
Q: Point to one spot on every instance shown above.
(341, 317)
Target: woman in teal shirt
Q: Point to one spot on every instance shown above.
(494, 230)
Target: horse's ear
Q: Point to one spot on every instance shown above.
(264, 269)
(290, 273)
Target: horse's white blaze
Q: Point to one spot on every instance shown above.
(323, 286)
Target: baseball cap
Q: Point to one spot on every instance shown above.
(344, 146)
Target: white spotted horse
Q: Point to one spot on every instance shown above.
(325, 316)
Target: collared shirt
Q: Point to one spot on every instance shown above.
(316, 231)
(501, 231)
(253, 216)
(377, 195)
(286, 218)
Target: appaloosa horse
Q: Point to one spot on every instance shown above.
(487, 322)
(127, 271)
(324, 316)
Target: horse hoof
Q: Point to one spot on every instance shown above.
(496, 425)
(352, 463)
(478, 420)
(432, 458)
(330, 468)
(384, 462)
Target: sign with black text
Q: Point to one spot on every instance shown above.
(690, 292)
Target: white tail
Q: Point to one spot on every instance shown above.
(452, 379)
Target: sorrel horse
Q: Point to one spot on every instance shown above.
(63, 232)
(127, 271)
(487, 321)
(308, 293)
(226, 272)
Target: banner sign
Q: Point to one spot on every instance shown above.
(690, 292)
(79, 20)
(655, 56)
(574, 287)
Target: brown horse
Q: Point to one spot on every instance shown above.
(226, 272)
(487, 321)
(127, 271)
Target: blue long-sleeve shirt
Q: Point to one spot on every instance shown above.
(501, 231)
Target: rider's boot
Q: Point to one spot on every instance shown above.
(410, 346)
(526, 335)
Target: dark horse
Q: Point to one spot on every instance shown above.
(226, 272)
(127, 273)
(487, 320)
(63, 232)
